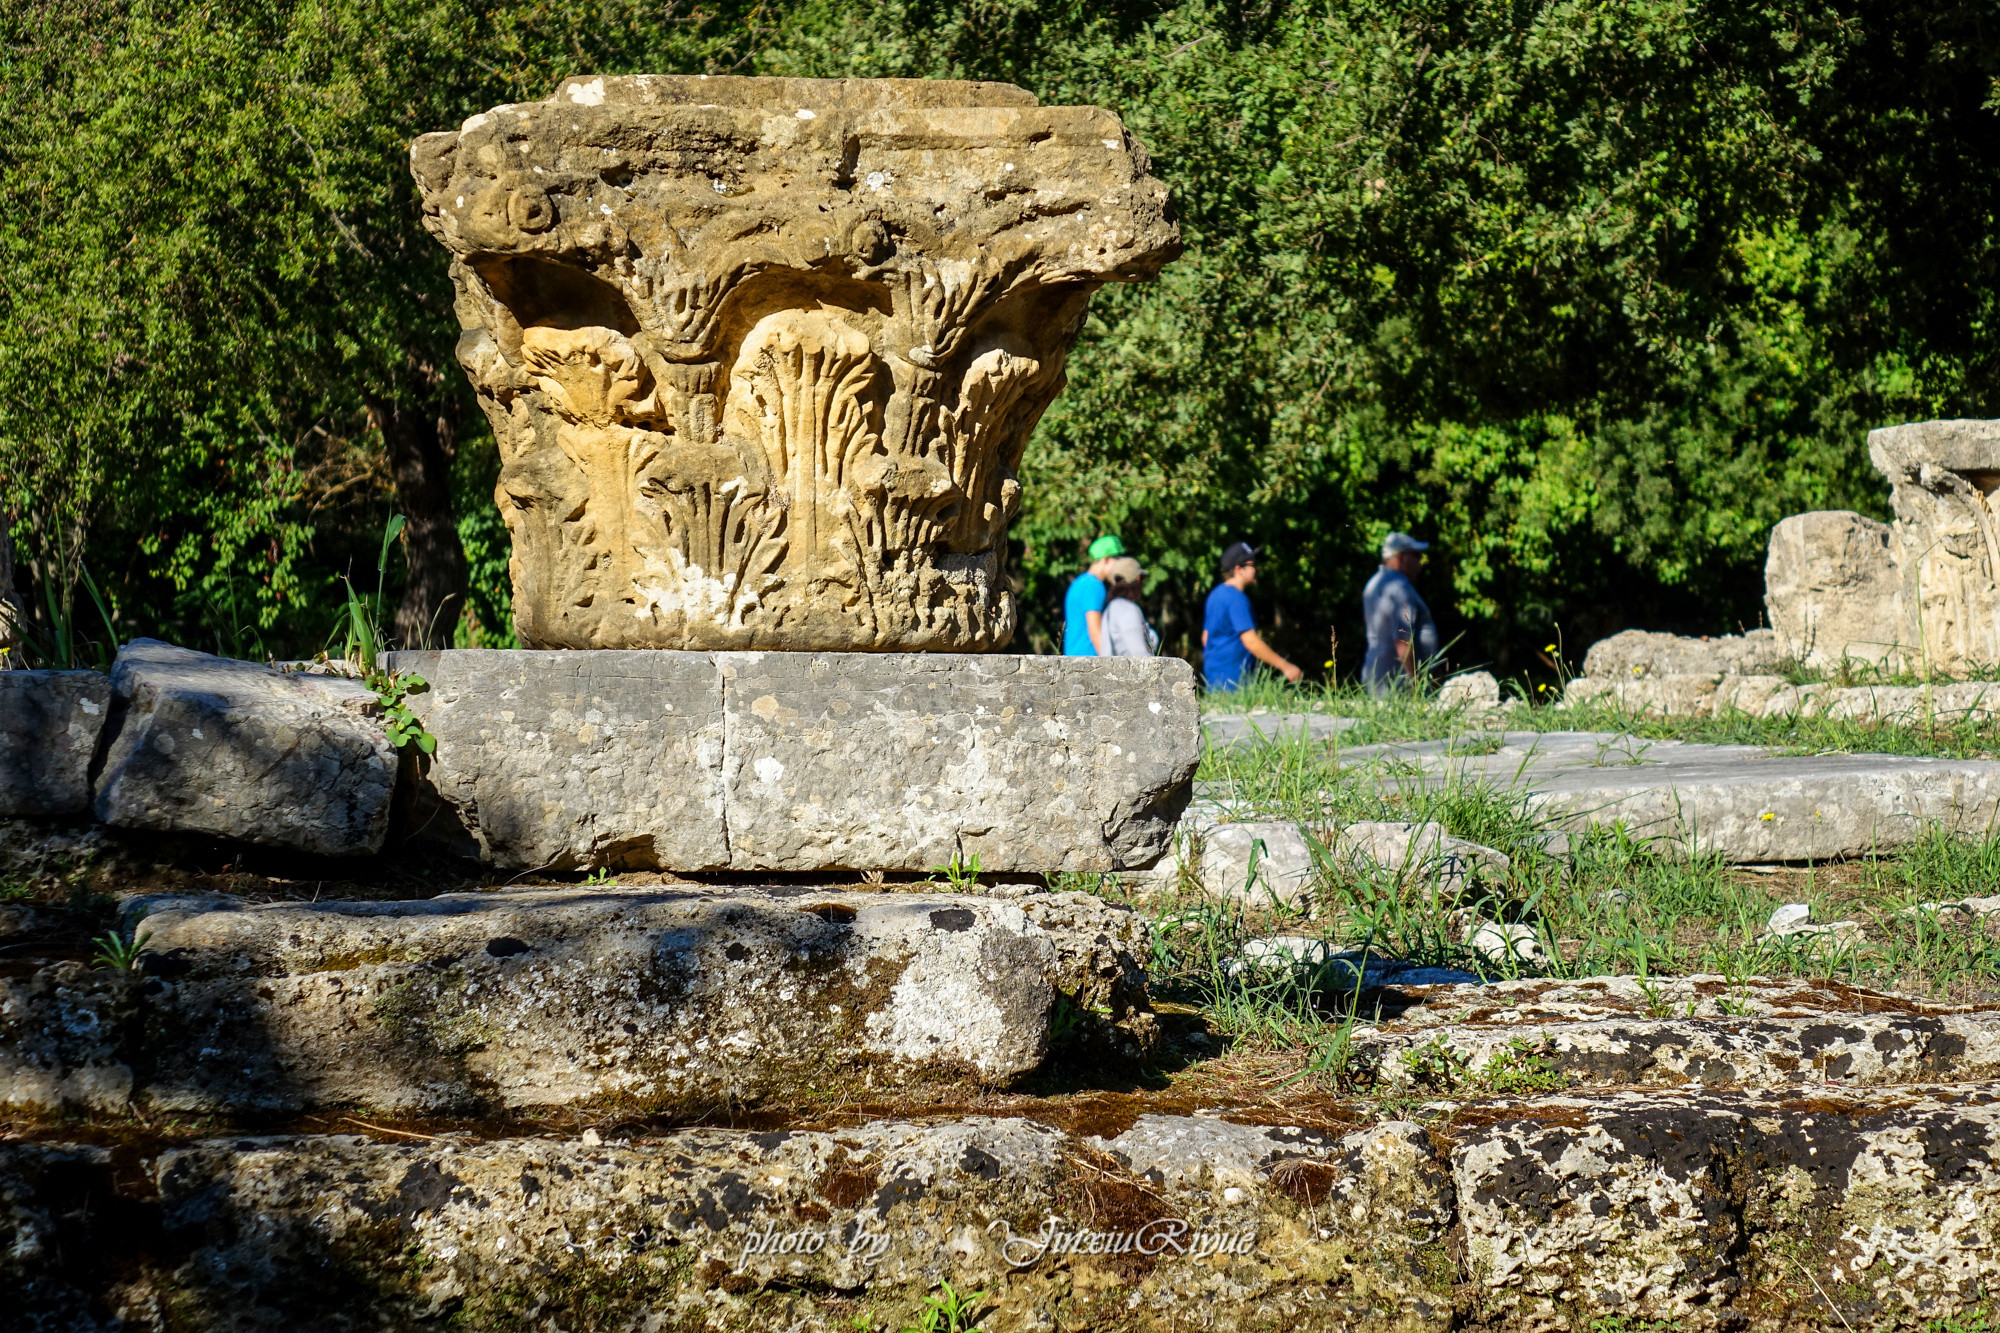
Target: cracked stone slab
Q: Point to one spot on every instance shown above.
(1696, 1030)
(49, 725)
(738, 1231)
(1743, 802)
(673, 760)
(643, 999)
(205, 744)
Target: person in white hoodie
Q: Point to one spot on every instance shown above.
(1126, 633)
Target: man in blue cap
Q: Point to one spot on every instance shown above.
(1229, 637)
(1083, 604)
(1402, 638)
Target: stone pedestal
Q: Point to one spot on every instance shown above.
(762, 355)
(803, 761)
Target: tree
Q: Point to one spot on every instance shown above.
(228, 342)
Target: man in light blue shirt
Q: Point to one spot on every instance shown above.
(1229, 637)
(1083, 604)
(1402, 638)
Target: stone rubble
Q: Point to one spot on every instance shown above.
(1720, 694)
(1845, 592)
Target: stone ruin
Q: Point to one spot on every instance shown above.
(1850, 597)
(762, 355)
(1919, 594)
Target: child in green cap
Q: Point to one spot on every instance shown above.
(1083, 604)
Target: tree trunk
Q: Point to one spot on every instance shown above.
(420, 459)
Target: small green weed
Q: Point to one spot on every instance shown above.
(393, 688)
(600, 878)
(1525, 1067)
(949, 1311)
(118, 953)
(961, 875)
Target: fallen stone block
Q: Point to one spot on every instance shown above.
(647, 999)
(236, 750)
(1263, 862)
(49, 725)
(1473, 691)
(1421, 853)
(1742, 802)
(1830, 585)
(1636, 652)
(1231, 730)
(797, 761)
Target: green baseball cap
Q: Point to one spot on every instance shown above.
(1106, 545)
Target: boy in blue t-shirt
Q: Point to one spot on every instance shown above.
(1083, 604)
(1229, 637)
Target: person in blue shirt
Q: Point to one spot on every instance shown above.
(1229, 637)
(1402, 637)
(1083, 604)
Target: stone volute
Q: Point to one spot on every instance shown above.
(762, 355)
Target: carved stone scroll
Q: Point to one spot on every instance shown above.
(762, 355)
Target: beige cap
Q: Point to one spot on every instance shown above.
(1124, 569)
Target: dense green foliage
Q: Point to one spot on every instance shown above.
(1591, 293)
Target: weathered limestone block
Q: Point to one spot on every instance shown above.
(1636, 652)
(1262, 862)
(551, 759)
(647, 999)
(797, 761)
(65, 1033)
(743, 1232)
(49, 725)
(1773, 696)
(1268, 860)
(1942, 475)
(762, 355)
(1746, 694)
(1701, 1029)
(1700, 1208)
(1676, 694)
(210, 745)
(1225, 730)
(1830, 585)
(1474, 691)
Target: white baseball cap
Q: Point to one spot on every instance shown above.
(1398, 542)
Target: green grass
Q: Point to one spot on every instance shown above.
(1615, 905)
(1416, 717)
